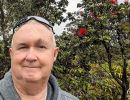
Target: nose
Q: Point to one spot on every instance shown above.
(31, 56)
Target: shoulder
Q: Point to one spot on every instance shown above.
(3, 87)
(6, 81)
(66, 96)
(58, 93)
(1, 97)
(6, 87)
(3, 84)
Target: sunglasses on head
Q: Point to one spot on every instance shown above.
(37, 18)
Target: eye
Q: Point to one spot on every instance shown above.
(23, 47)
(42, 46)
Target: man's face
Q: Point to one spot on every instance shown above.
(32, 53)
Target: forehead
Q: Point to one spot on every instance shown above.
(32, 30)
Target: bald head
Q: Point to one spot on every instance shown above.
(33, 26)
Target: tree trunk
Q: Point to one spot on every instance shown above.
(2, 25)
(125, 84)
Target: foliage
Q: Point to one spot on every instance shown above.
(72, 67)
(108, 35)
(79, 65)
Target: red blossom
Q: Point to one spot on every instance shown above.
(126, 1)
(114, 2)
(82, 32)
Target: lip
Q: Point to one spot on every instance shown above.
(31, 66)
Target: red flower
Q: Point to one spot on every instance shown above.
(126, 1)
(82, 32)
(114, 2)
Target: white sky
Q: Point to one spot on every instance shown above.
(71, 8)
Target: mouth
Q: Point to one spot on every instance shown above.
(31, 66)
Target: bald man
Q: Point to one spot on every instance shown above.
(33, 52)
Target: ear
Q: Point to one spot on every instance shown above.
(10, 52)
(56, 51)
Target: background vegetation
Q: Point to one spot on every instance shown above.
(93, 63)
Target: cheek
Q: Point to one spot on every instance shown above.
(16, 61)
(17, 57)
(47, 57)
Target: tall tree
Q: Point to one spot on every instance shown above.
(108, 25)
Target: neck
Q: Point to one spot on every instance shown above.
(39, 96)
(30, 89)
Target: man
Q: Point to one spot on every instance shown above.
(33, 52)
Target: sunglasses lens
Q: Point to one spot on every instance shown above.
(37, 18)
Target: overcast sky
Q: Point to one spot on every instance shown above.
(71, 8)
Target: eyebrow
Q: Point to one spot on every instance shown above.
(21, 44)
(39, 41)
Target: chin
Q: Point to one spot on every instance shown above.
(32, 79)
